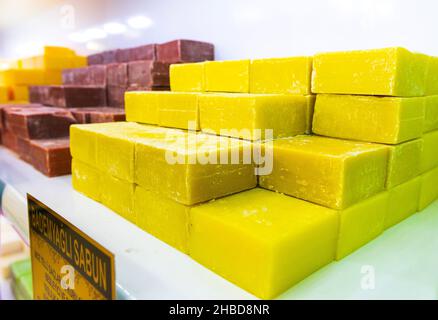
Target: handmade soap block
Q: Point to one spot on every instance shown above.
(76, 96)
(361, 223)
(178, 110)
(185, 51)
(117, 74)
(23, 77)
(165, 219)
(20, 93)
(310, 108)
(148, 73)
(86, 179)
(4, 94)
(118, 195)
(281, 75)
(429, 190)
(51, 157)
(248, 116)
(403, 202)
(92, 75)
(191, 168)
(366, 118)
(23, 149)
(144, 52)
(429, 157)
(331, 172)
(56, 51)
(404, 162)
(386, 72)
(141, 106)
(227, 76)
(262, 241)
(432, 77)
(431, 113)
(98, 114)
(95, 59)
(116, 96)
(38, 94)
(187, 77)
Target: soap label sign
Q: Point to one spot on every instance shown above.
(66, 263)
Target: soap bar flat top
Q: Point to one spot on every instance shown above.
(227, 76)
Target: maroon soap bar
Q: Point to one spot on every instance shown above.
(148, 73)
(75, 96)
(91, 75)
(98, 114)
(117, 74)
(51, 157)
(95, 59)
(39, 122)
(146, 88)
(38, 94)
(10, 140)
(185, 51)
(23, 149)
(5, 107)
(109, 56)
(144, 52)
(116, 96)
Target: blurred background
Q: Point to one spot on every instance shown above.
(238, 28)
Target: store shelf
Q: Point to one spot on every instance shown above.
(403, 260)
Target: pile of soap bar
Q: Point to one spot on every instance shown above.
(345, 167)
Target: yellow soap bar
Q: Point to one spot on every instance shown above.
(165, 219)
(23, 77)
(404, 162)
(21, 93)
(249, 116)
(403, 202)
(330, 172)
(429, 190)
(191, 168)
(118, 195)
(86, 179)
(361, 223)
(54, 62)
(432, 77)
(79, 61)
(52, 77)
(4, 94)
(366, 118)
(142, 106)
(386, 72)
(310, 107)
(281, 75)
(178, 110)
(227, 76)
(57, 51)
(431, 113)
(262, 241)
(429, 157)
(187, 77)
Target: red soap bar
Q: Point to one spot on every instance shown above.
(51, 157)
(5, 107)
(23, 149)
(145, 52)
(116, 96)
(39, 122)
(140, 88)
(95, 59)
(38, 94)
(98, 114)
(148, 73)
(185, 51)
(117, 74)
(75, 96)
(9, 140)
(91, 75)
(109, 56)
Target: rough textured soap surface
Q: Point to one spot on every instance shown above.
(86, 179)
(187, 167)
(182, 50)
(261, 240)
(429, 190)
(404, 162)
(431, 113)
(310, 108)
(281, 75)
(51, 157)
(361, 223)
(165, 219)
(432, 77)
(386, 72)
(403, 202)
(178, 110)
(330, 172)
(141, 106)
(249, 115)
(227, 76)
(366, 118)
(429, 157)
(187, 77)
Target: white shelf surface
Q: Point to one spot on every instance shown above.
(403, 261)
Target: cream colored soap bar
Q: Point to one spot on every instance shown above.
(403, 202)
(330, 172)
(281, 75)
(254, 116)
(432, 77)
(404, 162)
(429, 190)
(429, 157)
(142, 106)
(86, 179)
(361, 223)
(191, 168)
(262, 241)
(386, 72)
(227, 76)
(431, 113)
(178, 110)
(165, 219)
(187, 77)
(366, 118)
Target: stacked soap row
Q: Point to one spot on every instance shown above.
(39, 134)
(39, 70)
